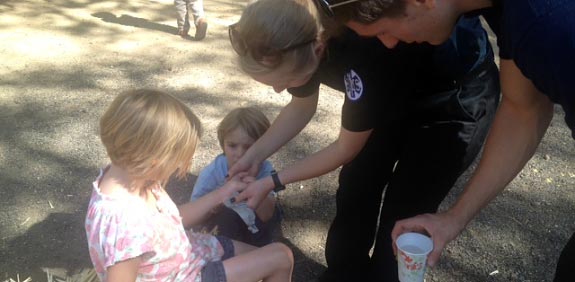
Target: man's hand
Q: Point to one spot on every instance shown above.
(442, 227)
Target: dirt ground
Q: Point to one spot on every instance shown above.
(62, 62)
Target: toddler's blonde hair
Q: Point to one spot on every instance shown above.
(250, 119)
(150, 134)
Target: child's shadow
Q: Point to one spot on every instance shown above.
(305, 268)
(181, 190)
(136, 22)
(57, 242)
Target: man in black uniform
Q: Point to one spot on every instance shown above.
(536, 40)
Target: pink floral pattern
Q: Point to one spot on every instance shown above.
(121, 228)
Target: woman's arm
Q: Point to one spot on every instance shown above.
(340, 152)
(291, 120)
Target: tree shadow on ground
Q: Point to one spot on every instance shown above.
(59, 242)
(128, 20)
(305, 268)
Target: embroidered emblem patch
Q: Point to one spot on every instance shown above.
(353, 85)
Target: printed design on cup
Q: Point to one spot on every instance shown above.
(409, 262)
(411, 268)
(353, 85)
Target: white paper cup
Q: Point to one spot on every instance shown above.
(412, 251)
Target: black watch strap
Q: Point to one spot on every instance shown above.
(278, 186)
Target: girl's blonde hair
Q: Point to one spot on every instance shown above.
(280, 24)
(250, 119)
(150, 134)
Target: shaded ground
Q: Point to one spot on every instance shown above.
(61, 63)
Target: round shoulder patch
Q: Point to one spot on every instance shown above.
(353, 85)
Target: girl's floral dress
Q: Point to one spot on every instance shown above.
(121, 228)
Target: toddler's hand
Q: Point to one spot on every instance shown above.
(233, 187)
(254, 194)
(248, 179)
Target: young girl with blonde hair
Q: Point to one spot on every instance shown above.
(135, 231)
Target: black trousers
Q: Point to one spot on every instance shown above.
(565, 271)
(226, 222)
(417, 160)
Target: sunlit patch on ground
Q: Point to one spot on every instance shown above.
(39, 46)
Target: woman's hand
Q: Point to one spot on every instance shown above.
(291, 120)
(250, 167)
(255, 192)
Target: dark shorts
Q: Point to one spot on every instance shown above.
(214, 271)
(229, 224)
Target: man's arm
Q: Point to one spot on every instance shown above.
(518, 127)
(291, 120)
(520, 123)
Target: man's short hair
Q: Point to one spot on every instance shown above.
(368, 11)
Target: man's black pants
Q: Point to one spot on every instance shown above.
(565, 271)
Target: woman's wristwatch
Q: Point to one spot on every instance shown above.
(278, 186)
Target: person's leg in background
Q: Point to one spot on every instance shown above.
(197, 7)
(445, 138)
(182, 17)
(352, 232)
